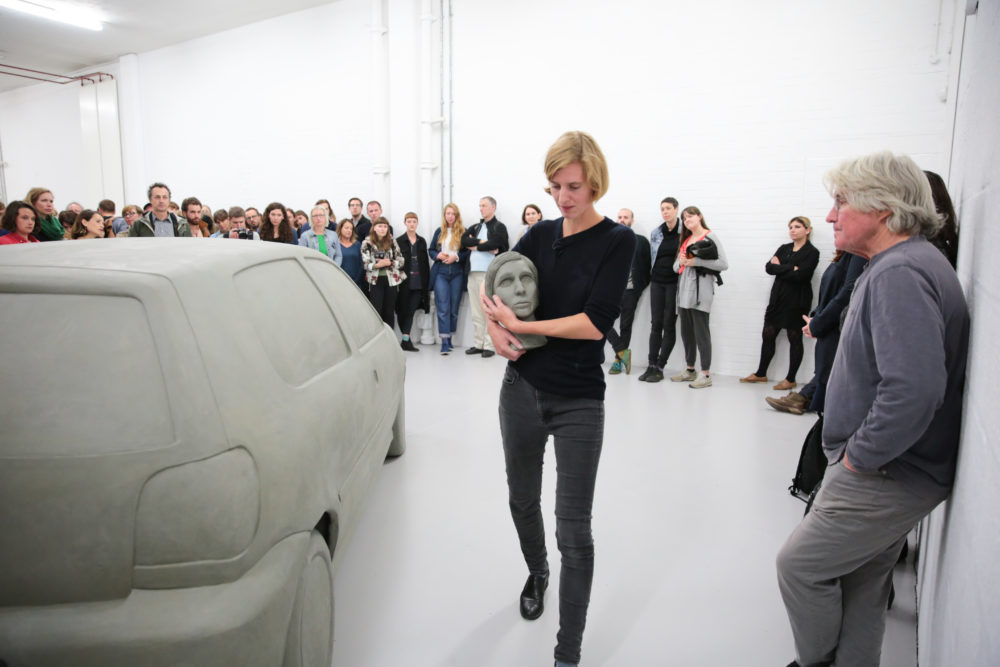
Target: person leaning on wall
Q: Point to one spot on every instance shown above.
(695, 293)
(792, 266)
(891, 427)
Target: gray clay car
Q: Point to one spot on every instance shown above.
(188, 432)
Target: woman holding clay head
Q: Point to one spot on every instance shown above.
(48, 226)
(583, 261)
(513, 278)
(448, 272)
(792, 266)
(18, 222)
(695, 290)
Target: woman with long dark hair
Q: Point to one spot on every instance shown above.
(792, 266)
(383, 264)
(695, 292)
(275, 225)
(583, 261)
(946, 240)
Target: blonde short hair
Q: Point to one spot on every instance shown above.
(887, 182)
(579, 147)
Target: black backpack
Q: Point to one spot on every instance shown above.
(812, 464)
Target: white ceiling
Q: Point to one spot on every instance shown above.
(130, 26)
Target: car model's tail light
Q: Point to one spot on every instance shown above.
(199, 511)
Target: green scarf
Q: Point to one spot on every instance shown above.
(322, 242)
(49, 228)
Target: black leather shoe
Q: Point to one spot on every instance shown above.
(488, 353)
(533, 596)
(408, 346)
(474, 350)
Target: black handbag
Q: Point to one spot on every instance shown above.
(703, 249)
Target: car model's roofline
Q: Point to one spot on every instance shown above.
(166, 257)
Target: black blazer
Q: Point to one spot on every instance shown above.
(422, 259)
(642, 264)
(496, 237)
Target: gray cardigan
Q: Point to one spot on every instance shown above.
(894, 399)
(696, 296)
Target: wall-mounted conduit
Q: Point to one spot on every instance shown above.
(61, 79)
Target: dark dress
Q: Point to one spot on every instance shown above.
(791, 294)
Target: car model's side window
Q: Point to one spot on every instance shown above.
(355, 314)
(295, 326)
(102, 389)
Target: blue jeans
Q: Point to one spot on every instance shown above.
(527, 418)
(448, 296)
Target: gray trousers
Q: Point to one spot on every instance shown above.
(835, 570)
(696, 336)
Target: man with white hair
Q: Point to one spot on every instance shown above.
(893, 413)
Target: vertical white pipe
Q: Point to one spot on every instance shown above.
(428, 207)
(130, 123)
(379, 101)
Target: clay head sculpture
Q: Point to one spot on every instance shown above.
(514, 278)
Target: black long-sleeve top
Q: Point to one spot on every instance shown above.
(791, 293)
(582, 273)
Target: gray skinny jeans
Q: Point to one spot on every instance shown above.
(527, 418)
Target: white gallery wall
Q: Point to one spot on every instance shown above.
(735, 108)
(959, 608)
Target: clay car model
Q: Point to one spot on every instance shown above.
(188, 432)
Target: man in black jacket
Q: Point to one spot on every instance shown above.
(485, 239)
(664, 241)
(638, 278)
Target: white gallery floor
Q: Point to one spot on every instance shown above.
(690, 510)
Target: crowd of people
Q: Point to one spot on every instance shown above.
(681, 262)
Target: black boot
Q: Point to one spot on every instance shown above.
(533, 596)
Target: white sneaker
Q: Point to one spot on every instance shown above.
(686, 376)
(702, 381)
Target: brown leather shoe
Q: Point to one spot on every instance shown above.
(785, 385)
(794, 403)
(753, 379)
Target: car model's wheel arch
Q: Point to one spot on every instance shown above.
(398, 443)
(309, 639)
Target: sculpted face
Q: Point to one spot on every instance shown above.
(515, 284)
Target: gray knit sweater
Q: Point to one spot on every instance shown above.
(894, 399)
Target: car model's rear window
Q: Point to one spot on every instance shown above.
(294, 324)
(80, 376)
